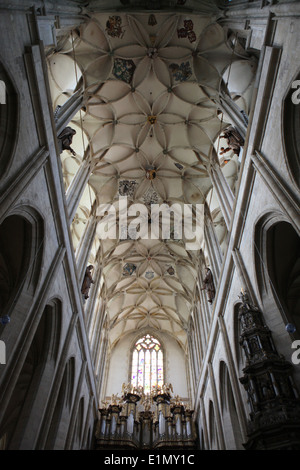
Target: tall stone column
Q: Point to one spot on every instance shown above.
(202, 316)
(204, 293)
(243, 274)
(223, 191)
(195, 341)
(95, 325)
(237, 117)
(64, 114)
(193, 358)
(278, 188)
(101, 360)
(198, 330)
(212, 243)
(77, 187)
(233, 378)
(204, 424)
(219, 427)
(94, 293)
(86, 242)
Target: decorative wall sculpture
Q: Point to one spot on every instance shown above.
(268, 379)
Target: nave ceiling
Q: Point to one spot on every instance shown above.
(149, 129)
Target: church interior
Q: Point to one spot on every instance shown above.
(149, 225)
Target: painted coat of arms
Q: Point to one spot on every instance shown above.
(124, 69)
(126, 187)
(187, 31)
(129, 269)
(149, 275)
(114, 27)
(181, 72)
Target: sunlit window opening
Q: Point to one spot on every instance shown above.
(147, 363)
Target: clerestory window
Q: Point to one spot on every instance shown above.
(147, 363)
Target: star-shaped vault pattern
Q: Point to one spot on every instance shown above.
(150, 129)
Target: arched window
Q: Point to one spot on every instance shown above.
(61, 415)
(230, 420)
(212, 427)
(21, 251)
(291, 122)
(9, 119)
(28, 395)
(278, 267)
(283, 261)
(147, 363)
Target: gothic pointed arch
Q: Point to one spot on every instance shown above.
(79, 425)
(232, 430)
(147, 362)
(24, 407)
(9, 119)
(21, 253)
(212, 427)
(57, 427)
(290, 129)
(278, 266)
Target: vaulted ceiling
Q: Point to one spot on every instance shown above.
(150, 127)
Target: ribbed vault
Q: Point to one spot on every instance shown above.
(149, 129)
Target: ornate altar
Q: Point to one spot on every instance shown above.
(159, 422)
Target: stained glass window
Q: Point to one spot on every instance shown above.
(147, 363)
